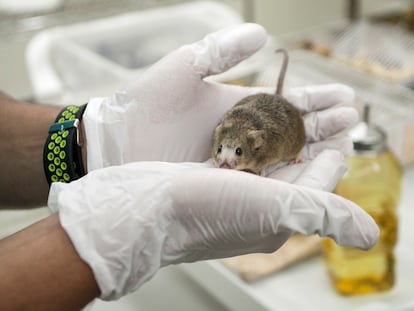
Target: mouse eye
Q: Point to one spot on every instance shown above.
(239, 151)
(219, 149)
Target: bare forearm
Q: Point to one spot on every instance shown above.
(41, 270)
(23, 132)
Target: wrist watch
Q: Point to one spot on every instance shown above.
(62, 153)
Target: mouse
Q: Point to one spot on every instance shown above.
(260, 130)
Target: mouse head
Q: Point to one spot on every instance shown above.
(239, 148)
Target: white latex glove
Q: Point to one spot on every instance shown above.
(128, 221)
(170, 113)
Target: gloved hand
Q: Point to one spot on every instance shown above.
(152, 214)
(170, 113)
(128, 221)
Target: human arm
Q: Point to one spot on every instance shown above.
(41, 270)
(23, 132)
(39, 265)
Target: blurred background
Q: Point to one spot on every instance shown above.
(21, 20)
(67, 51)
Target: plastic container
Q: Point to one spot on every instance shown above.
(75, 62)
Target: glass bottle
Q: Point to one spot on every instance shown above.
(373, 181)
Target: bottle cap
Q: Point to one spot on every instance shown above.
(368, 137)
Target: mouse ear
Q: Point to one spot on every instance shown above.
(228, 123)
(257, 137)
(223, 125)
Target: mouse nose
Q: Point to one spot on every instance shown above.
(226, 164)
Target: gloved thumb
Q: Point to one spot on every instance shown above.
(214, 54)
(221, 50)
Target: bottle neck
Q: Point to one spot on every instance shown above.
(370, 148)
(369, 153)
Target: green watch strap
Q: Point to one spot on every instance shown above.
(62, 153)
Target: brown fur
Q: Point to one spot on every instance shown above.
(266, 128)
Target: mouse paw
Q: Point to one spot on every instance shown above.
(298, 160)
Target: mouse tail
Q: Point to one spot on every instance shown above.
(282, 73)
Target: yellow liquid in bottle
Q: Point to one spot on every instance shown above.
(373, 182)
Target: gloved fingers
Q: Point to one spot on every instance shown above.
(320, 125)
(341, 144)
(286, 171)
(151, 214)
(221, 50)
(329, 215)
(241, 206)
(322, 173)
(214, 54)
(319, 97)
(185, 67)
(262, 244)
(321, 119)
